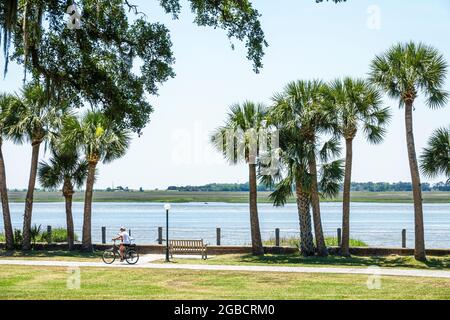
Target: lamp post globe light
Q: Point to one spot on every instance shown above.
(167, 207)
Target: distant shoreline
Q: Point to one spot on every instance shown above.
(224, 197)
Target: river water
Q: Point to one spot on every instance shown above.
(378, 224)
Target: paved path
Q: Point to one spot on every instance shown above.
(146, 259)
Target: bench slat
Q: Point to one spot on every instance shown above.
(187, 247)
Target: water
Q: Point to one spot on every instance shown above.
(376, 224)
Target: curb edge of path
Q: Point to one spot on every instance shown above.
(236, 268)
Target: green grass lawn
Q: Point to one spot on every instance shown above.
(230, 197)
(51, 255)
(292, 260)
(100, 283)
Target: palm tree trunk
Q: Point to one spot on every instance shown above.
(304, 216)
(419, 251)
(68, 194)
(345, 245)
(257, 247)
(26, 243)
(69, 220)
(9, 235)
(315, 202)
(86, 243)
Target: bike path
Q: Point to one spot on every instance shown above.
(145, 262)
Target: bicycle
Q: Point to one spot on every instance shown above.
(131, 255)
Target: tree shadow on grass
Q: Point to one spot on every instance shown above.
(353, 261)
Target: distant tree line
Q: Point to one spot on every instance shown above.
(218, 187)
(244, 187)
(397, 186)
(355, 186)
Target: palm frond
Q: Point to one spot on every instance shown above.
(358, 104)
(331, 177)
(62, 166)
(407, 68)
(7, 118)
(95, 136)
(435, 159)
(238, 139)
(330, 149)
(49, 176)
(37, 117)
(283, 191)
(116, 143)
(80, 174)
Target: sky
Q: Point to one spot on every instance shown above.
(306, 41)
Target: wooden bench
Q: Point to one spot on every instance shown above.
(188, 247)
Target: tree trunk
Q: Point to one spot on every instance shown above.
(419, 251)
(86, 243)
(304, 216)
(257, 247)
(345, 245)
(9, 235)
(68, 194)
(315, 202)
(26, 244)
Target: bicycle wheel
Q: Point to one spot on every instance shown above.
(109, 256)
(132, 256)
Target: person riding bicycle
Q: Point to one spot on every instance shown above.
(125, 241)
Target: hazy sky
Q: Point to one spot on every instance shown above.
(307, 40)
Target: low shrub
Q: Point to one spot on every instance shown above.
(333, 242)
(329, 241)
(38, 236)
(17, 238)
(58, 235)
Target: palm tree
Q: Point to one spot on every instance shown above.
(402, 72)
(39, 119)
(67, 169)
(5, 119)
(294, 174)
(358, 106)
(301, 108)
(435, 159)
(100, 140)
(297, 179)
(238, 141)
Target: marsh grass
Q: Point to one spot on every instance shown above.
(228, 197)
(329, 241)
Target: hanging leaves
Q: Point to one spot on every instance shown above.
(8, 17)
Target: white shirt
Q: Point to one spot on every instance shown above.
(125, 237)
